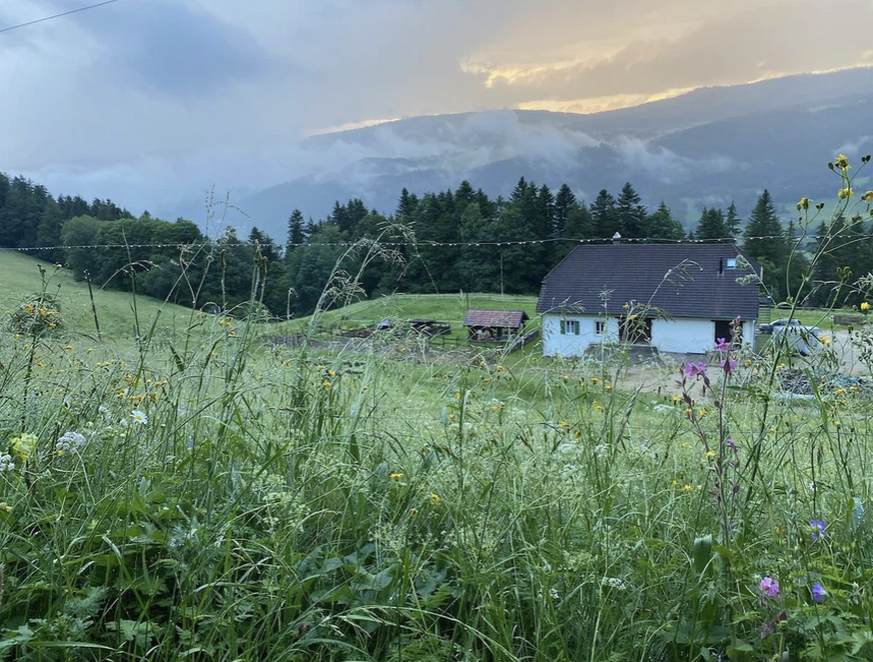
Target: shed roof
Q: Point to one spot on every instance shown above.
(504, 319)
(683, 280)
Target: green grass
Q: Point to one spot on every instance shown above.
(20, 280)
(232, 501)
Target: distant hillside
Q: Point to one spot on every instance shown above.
(707, 147)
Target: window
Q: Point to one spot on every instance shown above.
(570, 327)
(732, 263)
(599, 327)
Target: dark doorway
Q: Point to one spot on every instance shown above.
(722, 330)
(635, 330)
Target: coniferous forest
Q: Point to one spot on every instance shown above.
(449, 241)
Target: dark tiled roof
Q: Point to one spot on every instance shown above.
(511, 319)
(638, 272)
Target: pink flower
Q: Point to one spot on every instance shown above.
(695, 369)
(769, 587)
(722, 346)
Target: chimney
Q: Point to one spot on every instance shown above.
(616, 239)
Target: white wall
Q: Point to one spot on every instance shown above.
(679, 335)
(569, 344)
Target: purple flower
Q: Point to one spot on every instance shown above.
(732, 444)
(722, 346)
(695, 369)
(729, 365)
(818, 529)
(769, 587)
(818, 592)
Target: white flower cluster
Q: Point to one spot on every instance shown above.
(6, 463)
(70, 441)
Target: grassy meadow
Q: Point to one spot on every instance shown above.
(191, 492)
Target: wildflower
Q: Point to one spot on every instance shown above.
(434, 499)
(865, 307)
(826, 341)
(597, 406)
(686, 487)
(845, 193)
(818, 592)
(867, 197)
(395, 476)
(710, 454)
(842, 162)
(331, 373)
(722, 346)
(6, 463)
(139, 417)
(732, 445)
(840, 391)
(500, 368)
(701, 413)
(595, 380)
(69, 441)
(413, 512)
(675, 399)
(818, 529)
(327, 384)
(69, 348)
(22, 447)
(563, 424)
(803, 204)
(608, 388)
(695, 369)
(769, 587)
(729, 365)
(689, 412)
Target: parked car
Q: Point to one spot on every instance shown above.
(767, 329)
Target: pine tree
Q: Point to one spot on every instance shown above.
(732, 221)
(631, 213)
(564, 202)
(296, 237)
(604, 215)
(765, 242)
(711, 225)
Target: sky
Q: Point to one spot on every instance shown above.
(147, 101)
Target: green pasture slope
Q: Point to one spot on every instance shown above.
(20, 280)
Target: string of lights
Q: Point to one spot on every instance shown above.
(425, 243)
(10, 28)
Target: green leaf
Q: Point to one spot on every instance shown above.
(702, 553)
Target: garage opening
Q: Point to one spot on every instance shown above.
(722, 330)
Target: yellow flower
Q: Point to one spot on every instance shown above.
(837, 423)
(597, 406)
(564, 424)
(867, 197)
(865, 306)
(327, 384)
(69, 348)
(595, 380)
(608, 388)
(434, 499)
(22, 447)
(457, 395)
(395, 476)
(675, 399)
(689, 412)
(702, 413)
(842, 162)
(28, 308)
(413, 512)
(231, 334)
(687, 487)
(825, 341)
(500, 368)
(840, 391)
(803, 204)
(710, 454)
(844, 193)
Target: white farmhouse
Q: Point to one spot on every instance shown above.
(673, 297)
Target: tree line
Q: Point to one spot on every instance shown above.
(290, 277)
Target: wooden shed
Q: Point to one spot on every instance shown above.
(494, 325)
